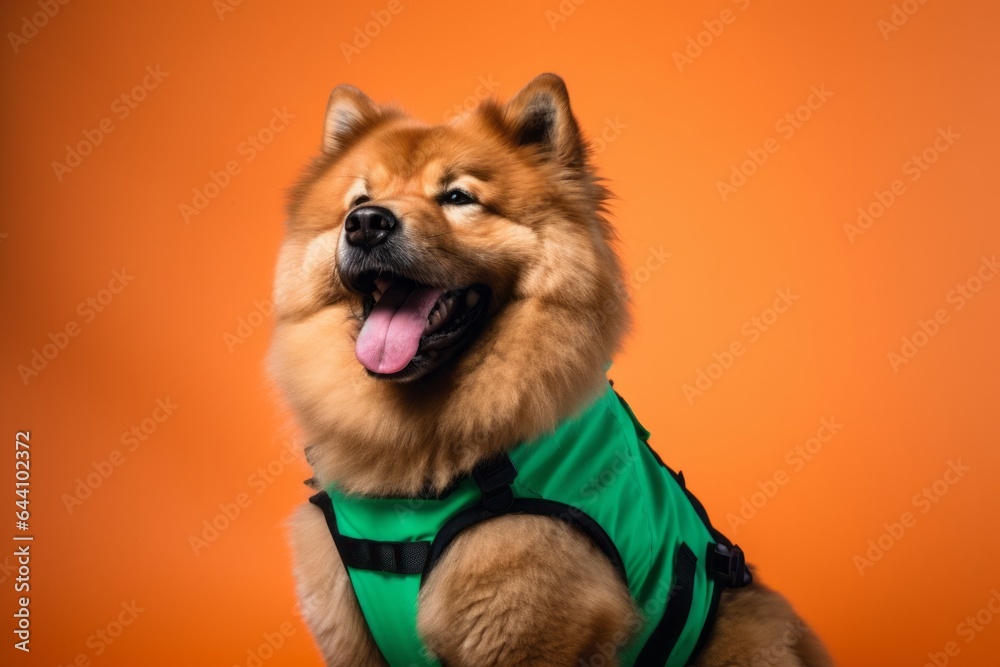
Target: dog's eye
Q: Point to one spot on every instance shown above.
(359, 200)
(456, 197)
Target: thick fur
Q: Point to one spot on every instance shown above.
(476, 608)
(538, 238)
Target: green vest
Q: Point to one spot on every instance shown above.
(594, 471)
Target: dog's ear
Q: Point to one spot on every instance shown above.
(348, 113)
(540, 115)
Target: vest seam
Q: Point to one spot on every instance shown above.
(635, 477)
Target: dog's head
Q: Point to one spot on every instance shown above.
(465, 263)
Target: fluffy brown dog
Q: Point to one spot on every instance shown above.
(444, 293)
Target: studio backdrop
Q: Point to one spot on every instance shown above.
(805, 195)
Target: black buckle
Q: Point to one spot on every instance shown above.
(728, 565)
(493, 478)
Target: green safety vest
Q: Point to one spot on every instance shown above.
(594, 471)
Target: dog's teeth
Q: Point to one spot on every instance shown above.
(439, 313)
(433, 321)
(471, 298)
(377, 294)
(382, 284)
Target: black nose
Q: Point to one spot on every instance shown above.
(367, 226)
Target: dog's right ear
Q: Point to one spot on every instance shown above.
(348, 113)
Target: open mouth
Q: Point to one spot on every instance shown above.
(409, 328)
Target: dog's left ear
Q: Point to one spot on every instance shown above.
(540, 115)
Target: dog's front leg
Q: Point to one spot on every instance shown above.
(524, 590)
(326, 598)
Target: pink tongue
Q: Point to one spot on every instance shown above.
(391, 335)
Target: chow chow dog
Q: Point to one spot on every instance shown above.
(447, 303)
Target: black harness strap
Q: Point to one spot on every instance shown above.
(391, 557)
(493, 478)
(724, 561)
(728, 565)
(661, 643)
(550, 508)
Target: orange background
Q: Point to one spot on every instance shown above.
(675, 132)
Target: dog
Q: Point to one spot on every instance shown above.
(447, 303)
